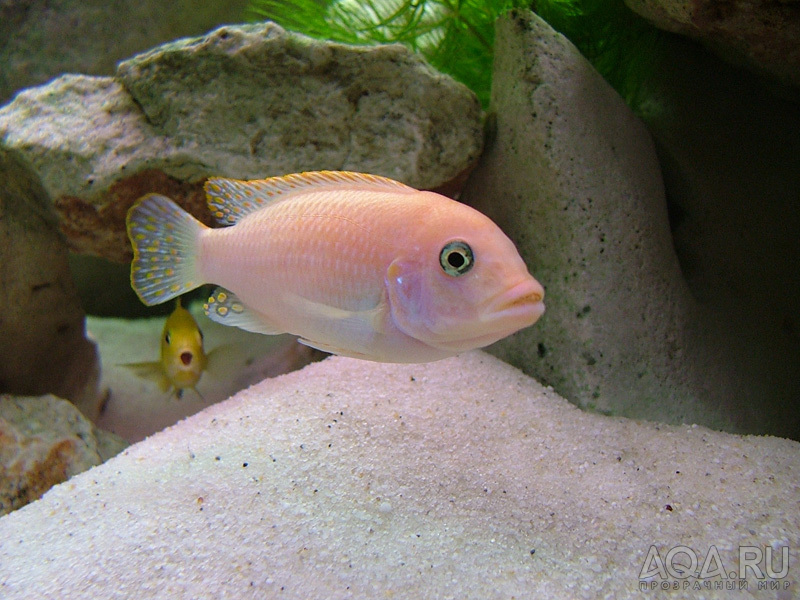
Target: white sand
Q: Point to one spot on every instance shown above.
(351, 479)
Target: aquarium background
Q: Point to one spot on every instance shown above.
(357, 479)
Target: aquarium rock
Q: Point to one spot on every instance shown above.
(572, 177)
(45, 440)
(764, 36)
(42, 41)
(455, 479)
(45, 349)
(247, 101)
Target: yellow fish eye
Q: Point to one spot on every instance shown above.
(456, 258)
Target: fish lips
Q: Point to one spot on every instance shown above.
(186, 358)
(520, 306)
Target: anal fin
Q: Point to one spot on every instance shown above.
(333, 349)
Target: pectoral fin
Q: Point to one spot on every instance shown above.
(152, 371)
(218, 359)
(225, 308)
(145, 370)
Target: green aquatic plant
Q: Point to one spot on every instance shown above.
(454, 36)
(457, 36)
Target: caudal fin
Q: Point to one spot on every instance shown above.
(165, 239)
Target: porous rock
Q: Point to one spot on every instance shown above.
(573, 177)
(763, 35)
(248, 102)
(45, 440)
(45, 349)
(456, 479)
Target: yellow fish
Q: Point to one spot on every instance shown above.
(183, 359)
(353, 264)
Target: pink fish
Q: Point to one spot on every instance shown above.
(353, 264)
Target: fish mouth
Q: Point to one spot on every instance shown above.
(516, 308)
(521, 303)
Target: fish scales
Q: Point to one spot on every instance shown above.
(301, 243)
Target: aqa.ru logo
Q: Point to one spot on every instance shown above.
(681, 563)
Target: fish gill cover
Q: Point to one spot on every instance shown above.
(457, 36)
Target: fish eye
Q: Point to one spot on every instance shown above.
(166, 337)
(456, 258)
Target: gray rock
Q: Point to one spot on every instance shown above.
(42, 329)
(42, 40)
(456, 479)
(44, 441)
(254, 95)
(764, 36)
(572, 176)
(246, 101)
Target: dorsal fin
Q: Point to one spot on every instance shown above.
(233, 199)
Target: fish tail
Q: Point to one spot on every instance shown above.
(165, 241)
